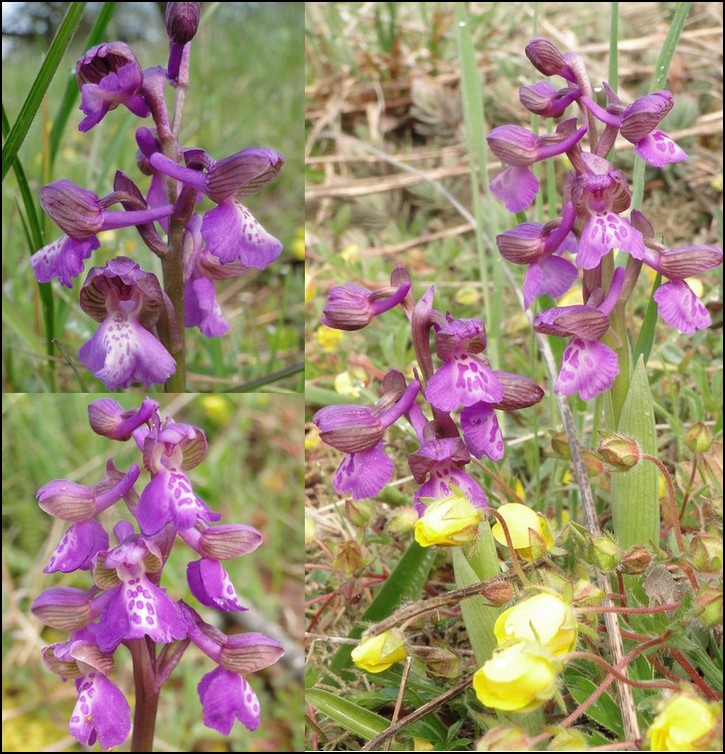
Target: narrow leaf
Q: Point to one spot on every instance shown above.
(646, 338)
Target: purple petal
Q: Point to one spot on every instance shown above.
(138, 608)
(210, 584)
(680, 308)
(363, 474)
(225, 696)
(588, 367)
(77, 548)
(481, 431)
(232, 234)
(121, 351)
(462, 382)
(63, 259)
(169, 497)
(101, 712)
(606, 231)
(439, 486)
(202, 309)
(552, 276)
(516, 187)
(659, 149)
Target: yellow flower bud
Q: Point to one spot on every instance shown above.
(515, 678)
(453, 520)
(683, 724)
(545, 618)
(530, 532)
(378, 653)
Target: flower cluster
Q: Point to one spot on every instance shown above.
(532, 636)
(197, 250)
(448, 499)
(126, 604)
(595, 198)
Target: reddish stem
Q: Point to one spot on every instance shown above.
(671, 500)
(630, 610)
(697, 679)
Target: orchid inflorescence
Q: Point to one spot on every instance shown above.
(142, 322)
(126, 606)
(448, 500)
(592, 223)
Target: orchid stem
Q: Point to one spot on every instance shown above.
(147, 696)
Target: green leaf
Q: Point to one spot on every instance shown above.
(359, 720)
(478, 617)
(635, 502)
(351, 716)
(39, 87)
(71, 90)
(404, 583)
(604, 711)
(646, 338)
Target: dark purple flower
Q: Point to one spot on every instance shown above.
(437, 467)
(600, 193)
(127, 302)
(210, 584)
(182, 22)
(226, 696)
(540, 247)
(108, 76)
(519, 148)
(352, 307)
(81, 214)
(79, 545)
(464, 378)
(221, 542)
(545, 100)
(353, 429)
(62, 258)
(639, 124)
(364, 473)
(680, 308)
(101, 712)
(588, 366)
(546, 58)
(76, 502)
(137, 607)
(109, 419)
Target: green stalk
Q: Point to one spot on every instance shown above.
(614, 46)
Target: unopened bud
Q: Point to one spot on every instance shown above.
(586, 594)
(698, 438)
(504, 739)
(498, 592)
(618, 451)
(545, 57)
(604, 553)
(402, 521)
(636, 560)
(706, 552)
(358, 512)
(708, 607)
(443, 663)
(349, 557)
(182, 21)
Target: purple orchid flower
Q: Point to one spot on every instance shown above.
(168, 451)
(588, 366)
(540, 247)
(127, 302)
(182, 22)
(229, 230)
(437, 466)
(226, 696)
(108, 76)
(210, 584)
(352, 307)
(465, 378)
(519, 148)
(358, 431)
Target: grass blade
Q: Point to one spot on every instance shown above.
(253, 385)
(29, 108)
(71, 90)
(646, 338)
